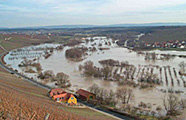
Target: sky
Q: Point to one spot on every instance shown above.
(25, 13)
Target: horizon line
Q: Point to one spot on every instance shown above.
(115, 24)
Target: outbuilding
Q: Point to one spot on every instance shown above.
(85, 95)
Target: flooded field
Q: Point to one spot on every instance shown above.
(166, 70)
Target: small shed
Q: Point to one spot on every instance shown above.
(85, 95)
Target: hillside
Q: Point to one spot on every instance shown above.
(109, 25)
(20, 99)
(23, 100)
(165, 34)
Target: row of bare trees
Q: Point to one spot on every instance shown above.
(109, 97)
(124, 73)
(30, 63)
(150, 56)
(153, 56)
(34, 52)
(171, 103)
(110, 70)
(61, 78)
(167, 75)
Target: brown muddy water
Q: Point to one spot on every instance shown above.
(57, 62)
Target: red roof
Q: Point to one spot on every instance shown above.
(56, 91)
(84, 93)
(65, 95)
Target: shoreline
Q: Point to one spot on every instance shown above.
(161, 49)
(154, 50)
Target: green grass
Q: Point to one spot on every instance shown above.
(61, 39)
(19, 41)
(148, 117)
(85, 112)
(1, 50)
(2, 37)
(9, 46)
(172, 49)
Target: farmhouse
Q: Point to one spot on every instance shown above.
(56, 91)
(85, 95)
(65, 98)
(59, 95)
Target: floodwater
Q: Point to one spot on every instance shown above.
(57, 62)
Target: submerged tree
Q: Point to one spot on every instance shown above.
(102, 95)
(111, 98)
(125, 95)
(94, 89)
(89, 68)
(62, 80)
(173, 105)
(107, 71)
(47, 75)
(182, 65)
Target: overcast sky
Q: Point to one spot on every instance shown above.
(23, 13)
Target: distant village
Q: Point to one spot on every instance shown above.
(168, 44)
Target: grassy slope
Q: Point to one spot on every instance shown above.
(35, 96)
(1, 50)
(60, 39)
(20, 41)
(17, 103)
(31, 99)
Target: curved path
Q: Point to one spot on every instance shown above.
(103, 111)
(2, 46)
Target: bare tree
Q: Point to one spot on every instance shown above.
(107, 71)
(183, 104)
(130, 95)
(49, 74)
(62, 80)
(182, 65)
(80, 67)
(94, 89)
(111, 98)
(125, 95)
(89, 68)
(102, 95)
(173, 105)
